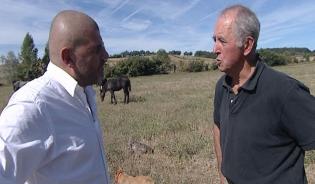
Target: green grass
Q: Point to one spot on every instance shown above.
(173, 114)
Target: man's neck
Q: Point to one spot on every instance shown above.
(242, 76)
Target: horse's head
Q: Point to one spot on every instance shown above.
(103, 89)
(18, 84)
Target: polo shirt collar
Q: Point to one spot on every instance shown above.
(253, 80)
(251, 83)
(63, 78)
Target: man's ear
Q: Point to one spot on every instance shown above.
(67, 57)
(248, 45)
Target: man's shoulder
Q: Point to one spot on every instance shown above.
(272, 75)
(275, 81)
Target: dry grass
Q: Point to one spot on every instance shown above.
(5, 93)
(173, 114)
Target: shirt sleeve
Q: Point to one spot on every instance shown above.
(299, 116)
(24, 140)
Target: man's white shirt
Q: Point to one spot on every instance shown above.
(50, 133)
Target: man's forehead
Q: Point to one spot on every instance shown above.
(223, 24)
(226, 20)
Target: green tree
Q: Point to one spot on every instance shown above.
(2, 59)
(163, 61)
(28, 58)
(188, 53)
(205, 54)
(175, 52)
(10, 66)
(46, 59)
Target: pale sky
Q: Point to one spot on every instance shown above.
(185, 25)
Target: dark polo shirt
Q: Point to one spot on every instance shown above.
(265, 128)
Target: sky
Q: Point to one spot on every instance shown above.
(185, 25)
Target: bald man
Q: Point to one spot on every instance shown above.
(49, 131)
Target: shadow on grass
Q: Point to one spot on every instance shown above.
(132, 99)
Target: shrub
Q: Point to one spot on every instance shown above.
(205, 54)
(195, 66)
(272, 58)
(162, 62)
(139, 66)
(214, 66)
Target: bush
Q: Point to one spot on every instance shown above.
(162, 61)
(214, 66)
(195, 66)
(272, 58)
(205, 54)
(139, 66)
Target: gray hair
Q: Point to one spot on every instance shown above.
(246, 23)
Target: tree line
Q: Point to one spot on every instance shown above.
(198, 53)
(27, 65)
(284, 56)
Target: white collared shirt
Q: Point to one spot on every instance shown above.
(50, 133)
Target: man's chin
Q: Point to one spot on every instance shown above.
(221, 69)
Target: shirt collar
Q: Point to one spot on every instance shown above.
(253, 80)
(62, 77)
(251, 83)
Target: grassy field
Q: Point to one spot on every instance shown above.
(173, 114)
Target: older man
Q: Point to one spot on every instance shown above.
(49, 131)
(264, 119)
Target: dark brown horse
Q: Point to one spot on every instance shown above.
(115, 84)
(18, 84)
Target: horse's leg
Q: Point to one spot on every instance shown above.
(114, 97)
(111, 97)
(128, 89)
(126, 99)
(102, 94)
(124, 90)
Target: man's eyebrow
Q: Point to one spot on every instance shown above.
(96, 46)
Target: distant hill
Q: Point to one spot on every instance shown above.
(290, 50)
(176, 59)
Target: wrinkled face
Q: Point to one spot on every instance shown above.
(229, 55)
(90, 59)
